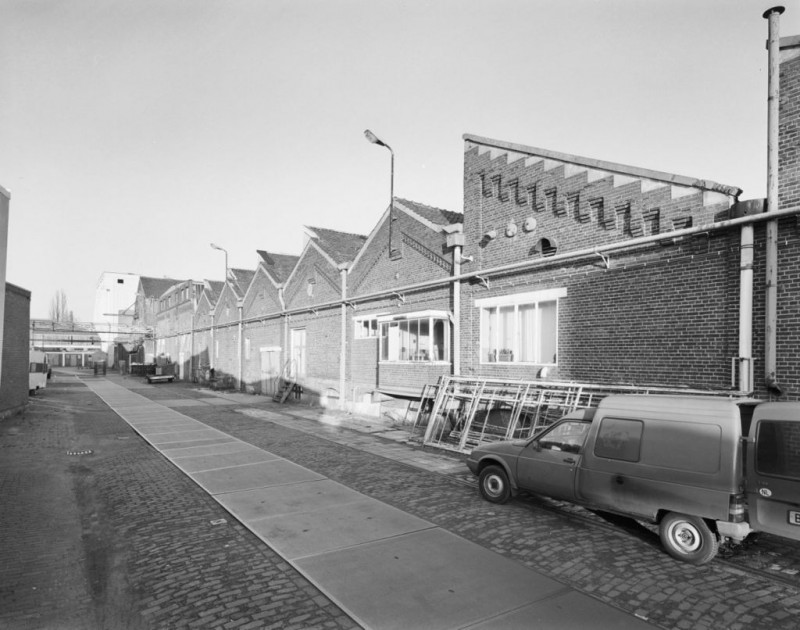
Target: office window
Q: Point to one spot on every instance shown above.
(520, 328)
(366, 327)
(415, 337)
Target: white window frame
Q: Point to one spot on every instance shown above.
(358, 326)
(533, 298)
(417, 357)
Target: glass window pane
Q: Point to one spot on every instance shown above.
(506, 334)
(438, 340)
(488, 334)
(548, 314)
(619, 439)
(526, 323)
(413, 339)
(384, 342)
(778, 448)
(424, 340)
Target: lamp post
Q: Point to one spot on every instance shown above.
(222, 249)
(375, 140)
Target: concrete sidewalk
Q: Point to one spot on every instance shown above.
(384, 567)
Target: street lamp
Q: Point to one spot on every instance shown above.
(222, 249)
(375, 140)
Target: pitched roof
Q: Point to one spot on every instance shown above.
(279, 266)
(212, 288)
(155, 287)
(241, 278)
(437, 216)
(340, 246)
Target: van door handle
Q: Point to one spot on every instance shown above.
(569, 460)
(619, 479)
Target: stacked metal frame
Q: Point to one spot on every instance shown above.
(461, 413)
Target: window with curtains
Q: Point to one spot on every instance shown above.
(520, 328)
(415, 337)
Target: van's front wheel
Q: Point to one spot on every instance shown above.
(688, 538)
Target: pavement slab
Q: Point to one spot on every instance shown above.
(247, 477)
(251, 505)
(319, 530)
(383, 566)
(426, 579)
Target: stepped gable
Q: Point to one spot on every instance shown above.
(155, 287)
(279, 266)
(342, 247)
(621, 174)
(437, 216)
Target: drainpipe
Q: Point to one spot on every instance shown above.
(240, 306)
(745, 358)
(343, 351)
(770, 339)
(285, 344)
(455, 239)
(213, 346)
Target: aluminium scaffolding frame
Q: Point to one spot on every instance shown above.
(460, 413)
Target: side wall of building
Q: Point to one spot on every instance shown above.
(16, 350)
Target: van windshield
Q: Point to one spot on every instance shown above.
(778, 449)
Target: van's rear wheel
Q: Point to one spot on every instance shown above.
(494, 486)
(688, 538)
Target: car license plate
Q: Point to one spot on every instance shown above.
(794, 517)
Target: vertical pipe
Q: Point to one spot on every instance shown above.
(343, 351)
(770, 339)
(457, 311)
(746, 309)
(241, 345)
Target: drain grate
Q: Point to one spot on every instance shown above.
(86, 452)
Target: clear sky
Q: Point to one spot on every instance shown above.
(134, 133)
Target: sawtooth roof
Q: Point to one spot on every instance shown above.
(341, 246)
(279, 266)
(437, 216)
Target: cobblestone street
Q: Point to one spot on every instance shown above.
(99, 530)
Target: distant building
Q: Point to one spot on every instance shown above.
(67, 344)
(114, 301)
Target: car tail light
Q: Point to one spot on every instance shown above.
(736, 508)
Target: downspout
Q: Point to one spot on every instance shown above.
(455, 240)
(213, 345)
(745, 358)
(240, 306)
(771, 307)
(285, 344)
(343, 350)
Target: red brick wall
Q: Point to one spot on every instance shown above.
(497, 193)
(16, 350)
(423, 257)
(789, 134)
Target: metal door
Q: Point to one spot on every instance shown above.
(548, 464)
(298, 367)
(773, 469)
(270, 370)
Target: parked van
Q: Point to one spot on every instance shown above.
(704, 468)
(38, 371)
